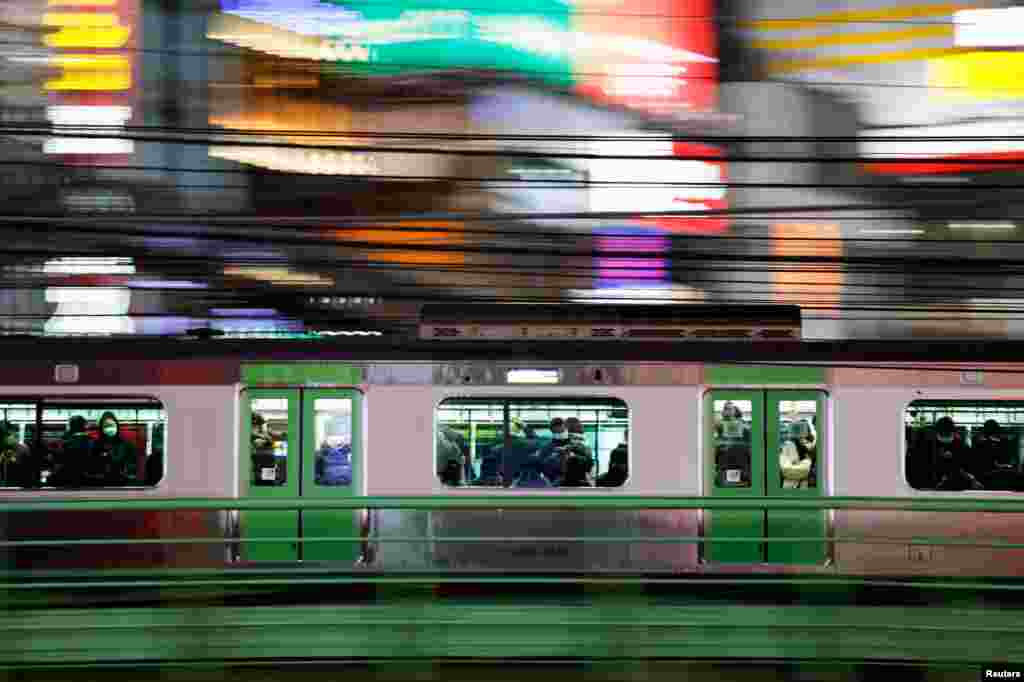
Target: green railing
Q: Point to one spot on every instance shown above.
(46, 620)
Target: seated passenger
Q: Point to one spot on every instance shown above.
(111, 459)
(17, 467)
(797, 459)
(74, 454)
(333, 465)
(532, 474)
(266, 469)
(618, 467)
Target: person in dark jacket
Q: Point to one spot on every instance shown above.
(112, 460)
(531, 474)
(334, 458)
(618, 466)
(950, 459)
(74, 454)
(17, 467)
(578, 459)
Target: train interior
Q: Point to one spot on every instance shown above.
(964, 445)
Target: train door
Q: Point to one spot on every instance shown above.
(765, 444)
(299, 443)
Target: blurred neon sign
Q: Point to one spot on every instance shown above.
(95, 44)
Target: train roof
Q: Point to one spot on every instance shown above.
(20, 350)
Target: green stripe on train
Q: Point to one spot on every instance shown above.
(745, 375)
(301, 374)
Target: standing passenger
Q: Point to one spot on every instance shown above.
(112, 460)
(333, 465)
(74, 454)
(16, 465)
(579, 460)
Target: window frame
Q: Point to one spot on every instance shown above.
(105, 401)
(540, 398)
(954, 401)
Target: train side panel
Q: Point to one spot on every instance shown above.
(665, 460)
(870, 462)
(200, 448)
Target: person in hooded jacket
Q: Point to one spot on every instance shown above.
(450, 468)
(578, 459)
(333, 465)
(551, 461)
(112, 459)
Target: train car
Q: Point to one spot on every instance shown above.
(522, 403)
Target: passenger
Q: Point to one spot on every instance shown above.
(449, 458)
(490, 471)
(579, 459)
(74, 454)
(111, 459)
(618, 466)
(989, 451)
(730, 426)
(266, 469)
(532, 474)
(950, 458)
(797, 458)
(549, 456)
(333, 465)
(16, 465)
(155, 461)
(260, 433)
(520, 444)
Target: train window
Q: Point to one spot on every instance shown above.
(569, 442)
(798, 443)
(964, 445)
(333, 423)
(82, 443)
(732, 442)
(268, 439)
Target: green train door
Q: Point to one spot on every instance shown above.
(765, 443)
(299, 443)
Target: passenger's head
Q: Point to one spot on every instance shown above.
(337, 432)
(945, 430)
(516, 428)
(109, 425)
(802, 430)
(258, 422)
(558, 431)
(991, 429)
(77, 424)
(574, 426)
(730, 411)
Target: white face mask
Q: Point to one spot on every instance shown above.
(335, 441)
(561, 435)
(110, 430)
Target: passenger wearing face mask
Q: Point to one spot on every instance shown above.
(551, 462)
(334, 458)
(112, 460)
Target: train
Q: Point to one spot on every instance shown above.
(500, 403)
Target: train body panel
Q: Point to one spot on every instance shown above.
(865, 450)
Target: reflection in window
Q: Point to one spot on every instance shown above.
(573, 442)
(732, 443)
(798, 443)
(99, 443)
(268, 438)
(332, 418)
(964, 445)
